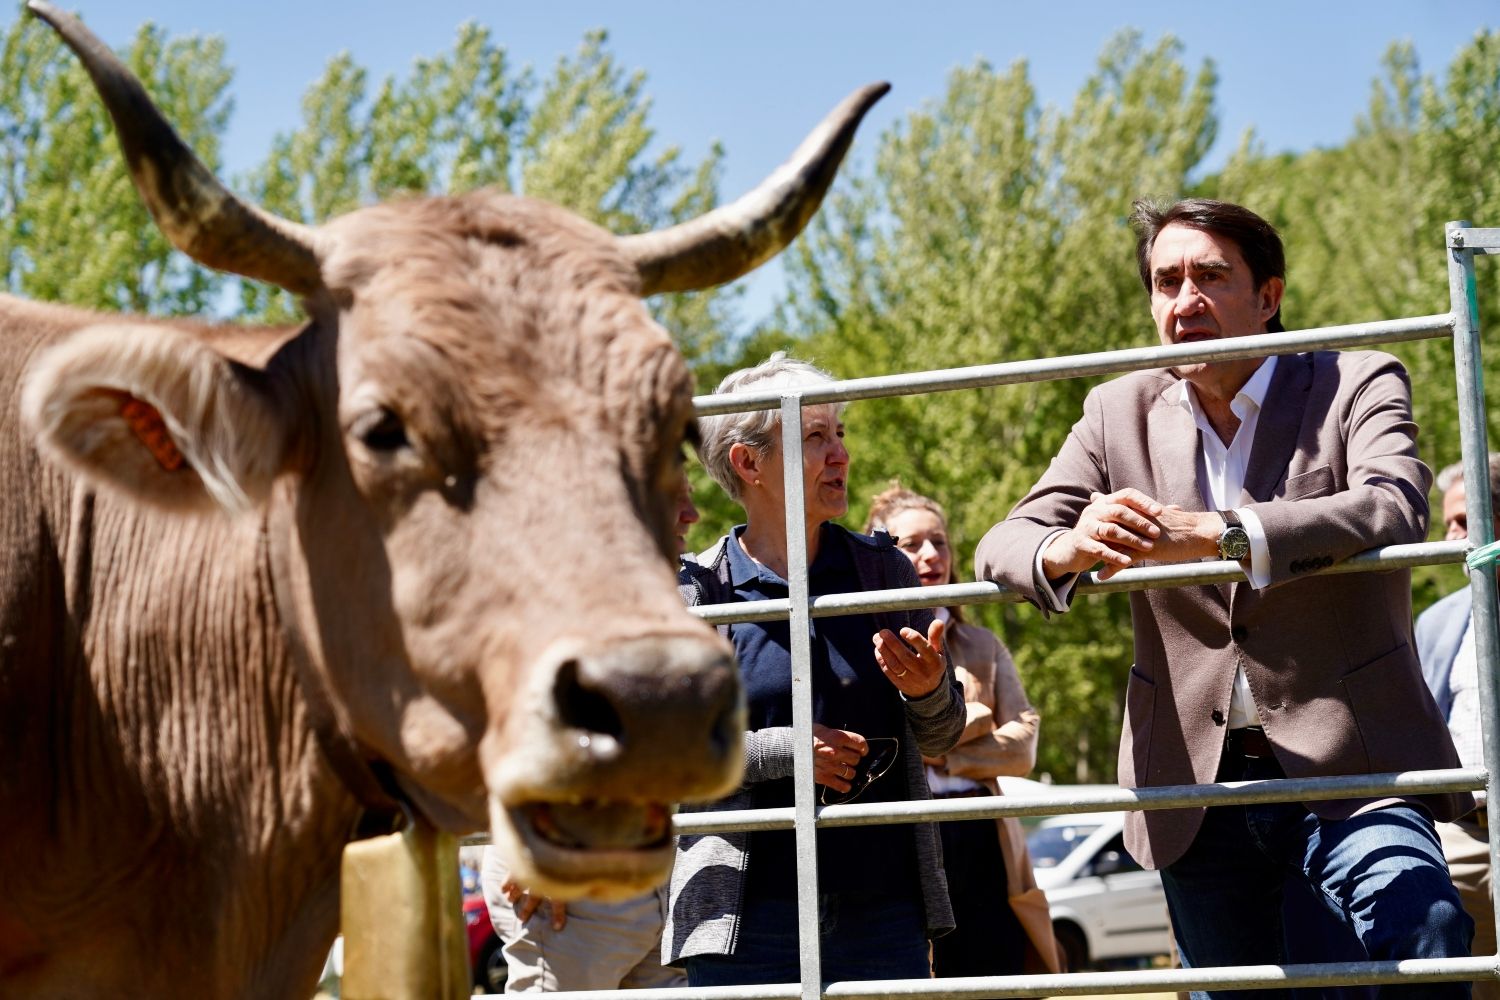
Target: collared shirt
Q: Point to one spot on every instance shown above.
(849, 692)
(1224, 481)
(1224, 468)
(1463, 716)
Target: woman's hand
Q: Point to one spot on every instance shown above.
(915, 666)
(835, 754)
(526, 904)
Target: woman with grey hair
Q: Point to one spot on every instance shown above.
(884, 694)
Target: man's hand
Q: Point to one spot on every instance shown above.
(526, 904)
(915, 666)
(1187, 534)
(1115, 529)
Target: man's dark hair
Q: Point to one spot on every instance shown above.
(1257, 239)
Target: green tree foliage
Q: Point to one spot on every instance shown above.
(71, 227)
(466, 118)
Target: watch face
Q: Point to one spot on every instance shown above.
(1234, 543)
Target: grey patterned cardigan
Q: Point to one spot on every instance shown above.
(708, 879)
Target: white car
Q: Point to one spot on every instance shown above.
(1106, 909)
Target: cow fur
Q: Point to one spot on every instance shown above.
(168, 823)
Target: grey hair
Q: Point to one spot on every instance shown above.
(756, 429)
(1454, 474)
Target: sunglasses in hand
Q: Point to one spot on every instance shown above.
(878, 760)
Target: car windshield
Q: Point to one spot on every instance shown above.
(1050, 844)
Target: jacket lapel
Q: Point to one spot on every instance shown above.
(1280, 422)
(1172, 437)
(1276, 436)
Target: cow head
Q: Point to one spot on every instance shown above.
(468, 461)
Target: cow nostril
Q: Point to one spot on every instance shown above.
(580, 707)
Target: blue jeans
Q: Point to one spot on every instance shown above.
(1379, 875)
(863, 936)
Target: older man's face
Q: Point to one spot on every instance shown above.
(1455, 516)
(1201, 291)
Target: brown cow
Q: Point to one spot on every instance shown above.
(255, 583)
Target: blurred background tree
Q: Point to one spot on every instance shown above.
(71, 226)
(982, 227)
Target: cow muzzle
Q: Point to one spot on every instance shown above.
(605, 740)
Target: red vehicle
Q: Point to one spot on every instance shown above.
(486, 963)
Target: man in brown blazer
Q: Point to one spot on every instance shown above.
(1287, 465)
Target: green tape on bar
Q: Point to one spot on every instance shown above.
(1483, 556)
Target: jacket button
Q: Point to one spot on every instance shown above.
(1218, 717)
(1238, 633)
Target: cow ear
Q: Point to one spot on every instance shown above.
(158, 413)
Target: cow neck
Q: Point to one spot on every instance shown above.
(384, 808)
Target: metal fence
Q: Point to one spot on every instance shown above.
(1461, 324)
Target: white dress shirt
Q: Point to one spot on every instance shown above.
(1223, 483)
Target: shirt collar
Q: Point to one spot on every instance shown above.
(1250, 398)
(743, 569)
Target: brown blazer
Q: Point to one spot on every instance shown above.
(1000, 738)
(1329, 659)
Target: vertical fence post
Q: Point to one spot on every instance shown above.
(401, 912)
(805, 799)
(1474, 438)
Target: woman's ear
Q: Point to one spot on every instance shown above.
(157, 413)
(746, 464)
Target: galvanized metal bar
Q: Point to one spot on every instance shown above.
(804, 800)
(1474, 441)
(1346, 786)
(1065, 803)
(1386, 557)
(1462, 236)
(1415, 970)
(1077, 365)
(1430, 970)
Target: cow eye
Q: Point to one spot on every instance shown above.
(380, 430)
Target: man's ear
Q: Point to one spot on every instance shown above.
(157, 413)
(1270, 297)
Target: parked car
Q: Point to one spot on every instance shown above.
(486, 962)
(1106, 909)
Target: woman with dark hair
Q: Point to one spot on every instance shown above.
(999, 739)
(884, 695)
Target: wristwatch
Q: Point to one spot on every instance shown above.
(1234, 541)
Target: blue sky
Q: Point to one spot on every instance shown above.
(757, 75)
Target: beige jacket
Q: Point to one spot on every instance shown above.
(1329, 658)
(1000, 738)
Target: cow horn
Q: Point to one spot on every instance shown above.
(193, 210)
(734, 239)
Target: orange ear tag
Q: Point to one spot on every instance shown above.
(145, 420)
